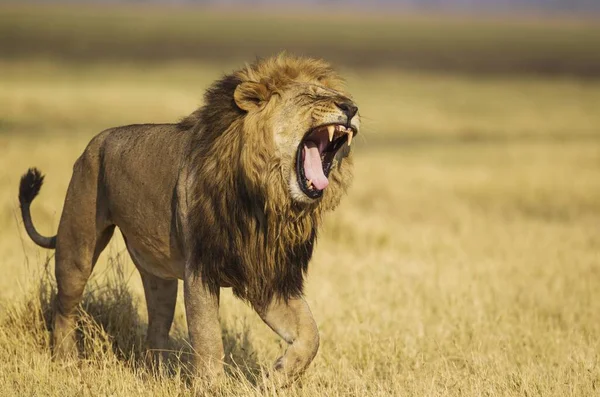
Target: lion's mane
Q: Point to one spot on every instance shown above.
(245, 230)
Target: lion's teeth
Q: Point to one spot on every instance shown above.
(339, 127)
(350, 133)
(331, 131)
(309, 183)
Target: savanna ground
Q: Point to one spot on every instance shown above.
(464, 261)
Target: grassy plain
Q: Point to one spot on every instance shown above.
(464, 261)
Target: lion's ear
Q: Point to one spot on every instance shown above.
(251, 95)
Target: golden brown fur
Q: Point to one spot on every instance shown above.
(213, 200)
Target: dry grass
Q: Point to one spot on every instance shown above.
(465, 260)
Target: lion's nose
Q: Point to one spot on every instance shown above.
(348, 108)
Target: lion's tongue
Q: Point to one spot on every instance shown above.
(313, 168)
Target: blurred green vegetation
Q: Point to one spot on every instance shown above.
(470, 44)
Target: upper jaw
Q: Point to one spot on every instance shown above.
(336, 131)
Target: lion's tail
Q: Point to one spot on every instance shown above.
(30, 186)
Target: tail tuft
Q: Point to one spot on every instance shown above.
(30, 186)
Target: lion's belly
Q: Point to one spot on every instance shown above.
(155, 257)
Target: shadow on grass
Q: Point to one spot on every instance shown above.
(110, 327)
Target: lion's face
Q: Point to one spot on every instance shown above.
(311, 127)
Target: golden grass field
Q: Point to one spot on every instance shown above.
(464, 261)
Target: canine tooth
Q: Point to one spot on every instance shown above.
(309, 183)
(331, 131)
(350, 133)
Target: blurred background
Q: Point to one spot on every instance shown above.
(465, 259)
(421, 68)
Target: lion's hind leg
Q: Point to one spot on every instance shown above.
(83, 234)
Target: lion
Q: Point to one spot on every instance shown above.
(230, 196)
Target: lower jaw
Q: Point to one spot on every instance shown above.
(298, 194)
(314, 194)
(310, 193)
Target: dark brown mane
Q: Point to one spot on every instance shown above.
(219, 109)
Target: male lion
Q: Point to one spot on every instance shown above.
(231, 196)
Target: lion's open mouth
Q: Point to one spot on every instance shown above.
(315, 156)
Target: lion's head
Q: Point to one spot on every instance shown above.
(271, 152)
(305, 118)
(294, 123)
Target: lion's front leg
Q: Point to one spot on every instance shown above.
(202, 313)
(293, 321)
